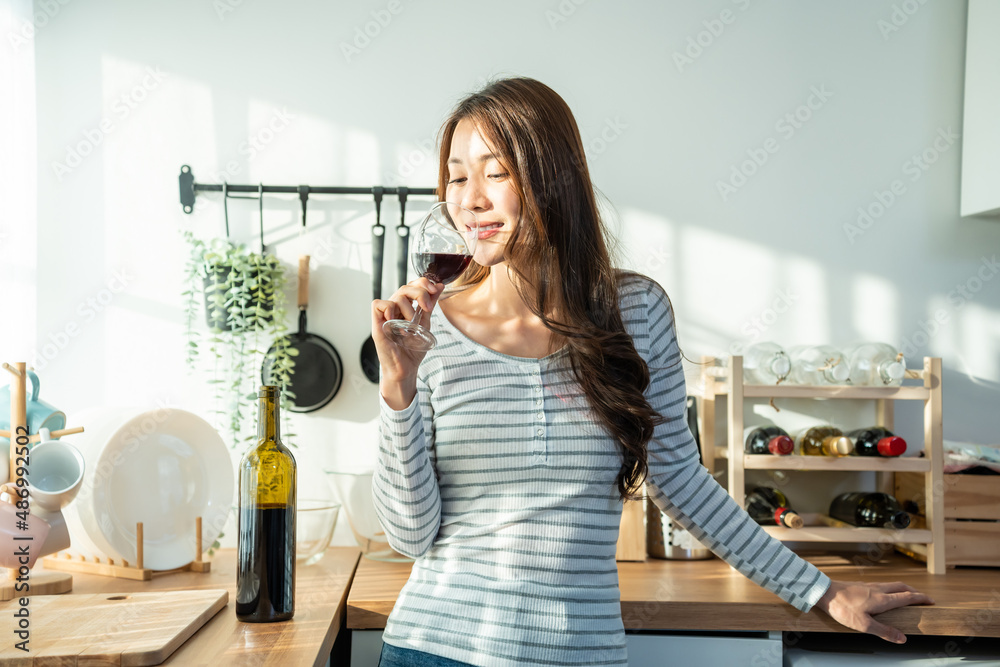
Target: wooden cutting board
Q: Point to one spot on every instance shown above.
(106, 629)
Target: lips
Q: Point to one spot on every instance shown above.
(488, 229)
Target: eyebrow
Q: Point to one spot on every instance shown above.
(485, 157)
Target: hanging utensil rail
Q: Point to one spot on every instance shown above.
(189, 188)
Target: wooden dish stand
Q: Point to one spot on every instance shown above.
(53, 583)
(121, 569)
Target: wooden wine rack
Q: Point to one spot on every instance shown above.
(729, 381)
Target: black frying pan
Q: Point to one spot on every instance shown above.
(369, 356)
(318, 370)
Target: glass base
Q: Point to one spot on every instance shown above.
(387, 556)
(313, 559)
(409, 335)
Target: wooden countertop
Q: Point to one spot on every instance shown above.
(320, 599)
(709, 595)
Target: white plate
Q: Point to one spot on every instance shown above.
(162, 467)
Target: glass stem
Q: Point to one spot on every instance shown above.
(416, 316)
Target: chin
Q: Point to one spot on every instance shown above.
(488, 258)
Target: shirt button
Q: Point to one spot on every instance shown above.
(541, 415)
(534, 372)
(538, 390)
(540, 431)
(538, 401)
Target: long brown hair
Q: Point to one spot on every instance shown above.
(559, 257)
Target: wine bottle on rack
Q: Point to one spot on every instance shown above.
(824, 441)
(265, 579)
(876, 365)
(818, 365)
(877, 441)
(869, 510)
(766, 363)
(767, 440)
(768, 507)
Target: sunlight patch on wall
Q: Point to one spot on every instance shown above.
(874, 309)
(285, 146)
(646, 242)
(362, 157)
(807, 289)
(726, 279)
(979, 349)
(144, 110)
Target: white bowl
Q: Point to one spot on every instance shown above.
(162, 467)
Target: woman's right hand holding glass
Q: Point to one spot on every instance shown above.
(398, 377)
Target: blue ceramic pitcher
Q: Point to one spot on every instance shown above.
(40, 414)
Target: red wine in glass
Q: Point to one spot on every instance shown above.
(441, 250)
(441, 267)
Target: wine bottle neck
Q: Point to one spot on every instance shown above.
(267, 418)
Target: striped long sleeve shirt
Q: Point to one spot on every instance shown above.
(500, 482)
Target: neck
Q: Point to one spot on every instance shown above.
(498, 296)
(268, 418)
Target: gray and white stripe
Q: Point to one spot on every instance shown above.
(502, 485)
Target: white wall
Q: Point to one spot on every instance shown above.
(662, 134)
(18, 232)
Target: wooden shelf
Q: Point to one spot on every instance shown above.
(861, 535)
(729, 381)
(803, 391)
(844, 463)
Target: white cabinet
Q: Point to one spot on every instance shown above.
(759, 649)
(366, 647)
(704, 650)
(981, 124)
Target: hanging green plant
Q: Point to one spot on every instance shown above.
(244, 301)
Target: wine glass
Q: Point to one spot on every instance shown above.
(441, 250)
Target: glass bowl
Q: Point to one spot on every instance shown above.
(314, 524)
(354, 489)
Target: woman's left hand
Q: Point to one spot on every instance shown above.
(853, 603)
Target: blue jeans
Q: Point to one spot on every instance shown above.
(393, 656)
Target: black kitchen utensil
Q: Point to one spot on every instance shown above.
(369, 356)
(403, 232)
(318, 369)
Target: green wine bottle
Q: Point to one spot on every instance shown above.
(869, 510)
(769, 507)
(265, 579)
(877, 441)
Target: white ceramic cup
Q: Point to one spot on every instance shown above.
(55, 473)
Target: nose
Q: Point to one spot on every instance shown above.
(474, 196)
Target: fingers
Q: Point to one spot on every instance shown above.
(383, 310)
(903, 599)
(892, 587)
(886, 632)
(853, 604)
(899, 594)
(421, 291)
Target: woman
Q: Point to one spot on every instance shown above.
(555, 391)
